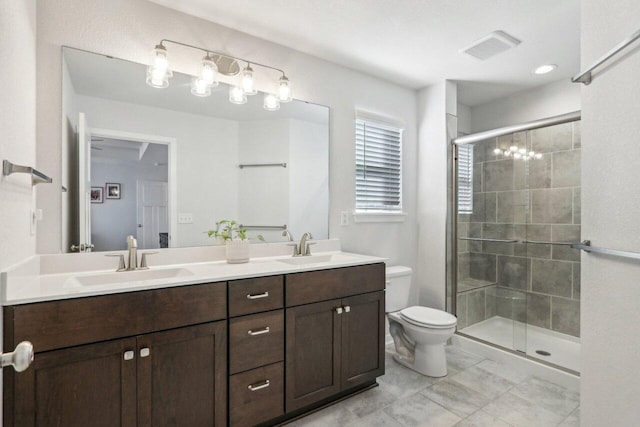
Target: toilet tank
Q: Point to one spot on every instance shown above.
(398, 288)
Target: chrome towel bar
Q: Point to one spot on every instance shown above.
(261, 165)
(264, 227)
(37, 177)
(586, 77)
(586, 246)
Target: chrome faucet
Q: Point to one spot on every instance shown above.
(303, 247)
(288, 235)
(132, 247)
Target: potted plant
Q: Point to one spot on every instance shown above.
(234, 238)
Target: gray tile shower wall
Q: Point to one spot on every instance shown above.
(537, 200)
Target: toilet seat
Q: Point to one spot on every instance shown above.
(428, 317)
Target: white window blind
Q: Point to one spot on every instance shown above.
(378, 166)
(465, 179)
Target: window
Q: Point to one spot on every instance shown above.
(378, 166)
(465, 179)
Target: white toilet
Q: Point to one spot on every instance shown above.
(419, 333)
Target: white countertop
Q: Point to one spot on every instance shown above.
(39, 280)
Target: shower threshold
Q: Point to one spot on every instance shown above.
(564, 350)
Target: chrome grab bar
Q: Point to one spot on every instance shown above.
(477, 239)
(586, 77)
(586, 246)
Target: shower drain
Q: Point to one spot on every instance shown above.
(543, 353)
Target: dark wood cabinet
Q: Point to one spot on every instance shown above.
(333, 346)
(143, 358)
(89, 385)
(176, 377)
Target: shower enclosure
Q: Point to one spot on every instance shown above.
(516, 279)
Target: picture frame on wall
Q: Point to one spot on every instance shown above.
(113, 190)
(97, 195)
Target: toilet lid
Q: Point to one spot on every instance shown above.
(430, 317)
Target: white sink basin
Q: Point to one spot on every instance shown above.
(314, 259)
(125, 277)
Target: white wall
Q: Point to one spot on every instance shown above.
(264, 190)
(130, 28)
(114, 219)
(17, 127)
(543, 101)
(610, 323)
(308, 190)
(464, 119)
(432, 194)
(207, 153)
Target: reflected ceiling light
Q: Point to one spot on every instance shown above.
(247, 82)
(200, 87)
(518, 153)
(214, 63)
(544, 69)
(284, 89)
(271, 102)
(158, 72)
(237, 95)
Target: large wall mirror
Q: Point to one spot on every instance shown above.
(164, 165)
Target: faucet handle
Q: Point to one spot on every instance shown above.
(143, 261)
(308, 251)
(296, 250)
(121, 264)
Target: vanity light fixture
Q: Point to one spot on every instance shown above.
(271, 102)
(237, 95)
(158, 72)
(214, 63)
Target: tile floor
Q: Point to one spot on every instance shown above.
(477, 392)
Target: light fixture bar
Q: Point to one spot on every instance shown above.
(225, 55)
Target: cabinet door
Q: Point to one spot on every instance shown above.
(182, 376)
(312, 354)
(89, 385)
(362, 339)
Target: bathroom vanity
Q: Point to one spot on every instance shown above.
(231, 350)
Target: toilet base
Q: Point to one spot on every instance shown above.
(428, 360)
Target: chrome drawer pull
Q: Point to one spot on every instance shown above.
(260, 332)
(339, 310)
(259, 386)
(128, 355)
(256, 296)
(347, 309)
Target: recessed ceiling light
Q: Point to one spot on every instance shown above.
(544, 69)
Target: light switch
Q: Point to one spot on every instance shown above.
(185, 218)
(344, 218)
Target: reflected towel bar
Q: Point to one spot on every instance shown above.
(37, 177)
(261, 165)
(585, 77)
(264, 227)
(476, 239)
(586, 246)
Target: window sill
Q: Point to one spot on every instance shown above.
(365, 216)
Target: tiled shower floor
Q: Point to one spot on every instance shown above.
(564, 349)
(476, 392)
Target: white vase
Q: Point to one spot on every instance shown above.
(237, 251)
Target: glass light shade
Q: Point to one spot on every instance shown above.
(284, 90)
(538, 156)
(158, 72)
(507, 153)
(237, 95)
(247, 81)
(199, 87)
(209, 71)
(271, 102)
(532, 153)
(497, 151)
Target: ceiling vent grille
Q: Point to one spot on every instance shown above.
(491, 45)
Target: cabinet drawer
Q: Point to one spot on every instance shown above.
(256, 340)
(256, 396)
(314, 286)
(249, 296)
(65, 323)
